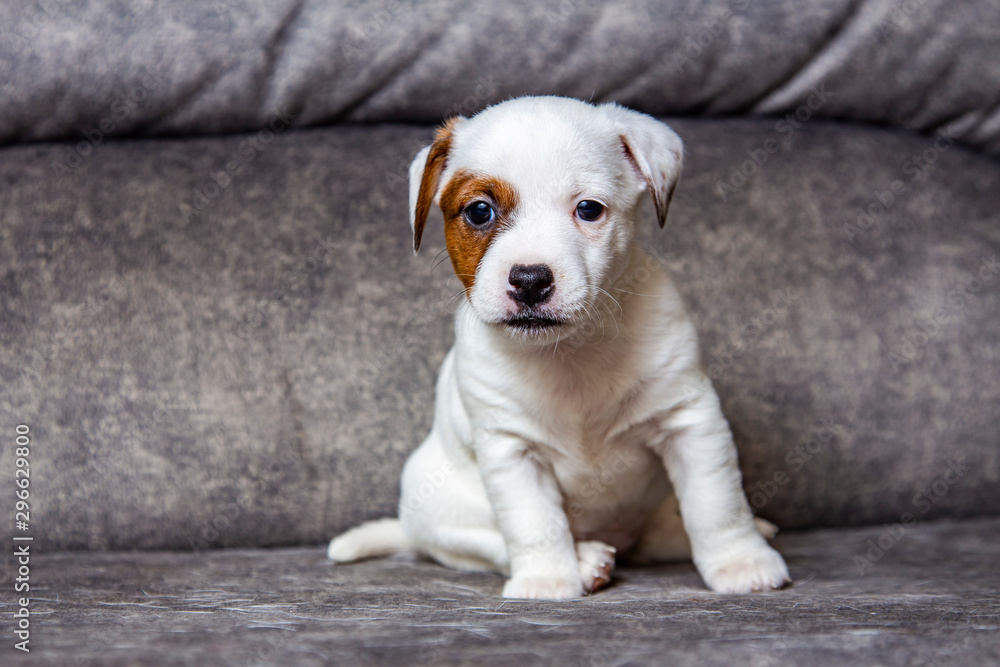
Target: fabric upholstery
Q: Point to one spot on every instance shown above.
(245, 360)
(187, 67)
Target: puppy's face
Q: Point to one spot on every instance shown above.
(539, 197)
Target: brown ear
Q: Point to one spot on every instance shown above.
(425, 176)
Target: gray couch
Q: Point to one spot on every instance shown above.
(222, 348)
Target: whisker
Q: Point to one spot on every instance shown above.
(464, 290)
(595, 315)
(467, 316)
(438, 259)
(456, 299)
(610, 313)
(604, 291)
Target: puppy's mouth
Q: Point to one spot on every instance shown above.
(530, 323)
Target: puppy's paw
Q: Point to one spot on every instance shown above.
(755, 569)
(542, 588)
(597, 559)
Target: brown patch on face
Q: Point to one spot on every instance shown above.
(467, 244)
(437, 159)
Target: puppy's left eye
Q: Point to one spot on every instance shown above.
(589, 210)
(479, 214)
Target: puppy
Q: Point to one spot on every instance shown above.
(566, 430)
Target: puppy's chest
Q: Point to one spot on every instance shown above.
(588, 405)
(586, 426)
(610, 487)
(580, 456)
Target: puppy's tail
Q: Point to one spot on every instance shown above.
(369, 540)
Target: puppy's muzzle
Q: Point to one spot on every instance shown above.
(532, 284)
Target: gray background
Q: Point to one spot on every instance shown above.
(246, 360)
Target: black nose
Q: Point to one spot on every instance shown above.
(532, 284)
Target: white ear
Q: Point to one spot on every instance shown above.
(654, 150)
(416, 175)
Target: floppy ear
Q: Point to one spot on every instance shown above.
(654, 150)
(425, 174)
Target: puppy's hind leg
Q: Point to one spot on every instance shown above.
(445, 514)
(663, 538)
(454, 524)
(466, 548)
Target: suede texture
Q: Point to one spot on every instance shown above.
(929, 599)
(208, 359)
(186, 67)
(213, 325)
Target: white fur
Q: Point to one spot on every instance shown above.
(552, 449)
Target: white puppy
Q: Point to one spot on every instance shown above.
(566, 429)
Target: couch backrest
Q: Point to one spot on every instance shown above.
(80, 70)
(216, 359)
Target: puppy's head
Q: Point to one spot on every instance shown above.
(540, 197)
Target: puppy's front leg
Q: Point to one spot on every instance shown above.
(726, 546)
(528, 507)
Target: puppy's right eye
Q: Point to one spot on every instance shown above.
(589, 210)
(479, 214)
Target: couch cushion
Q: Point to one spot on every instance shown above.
(81, 70)
(210, 359)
